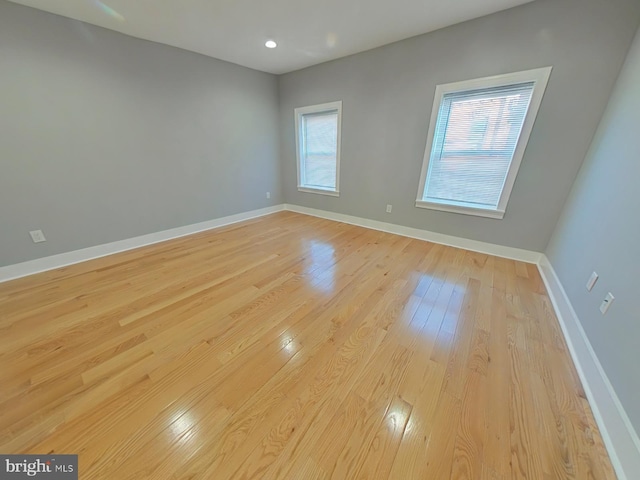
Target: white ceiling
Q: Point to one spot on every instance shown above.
(308, 32)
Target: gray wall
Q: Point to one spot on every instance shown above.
(387, 95)
(600, 230)
(105, 137)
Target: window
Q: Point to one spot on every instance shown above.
(478, 133)
(318, 148)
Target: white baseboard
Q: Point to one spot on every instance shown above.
(619, 436)
(38, 265)
(458, 242)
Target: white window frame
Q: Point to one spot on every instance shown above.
(540, 77)
(299, 113)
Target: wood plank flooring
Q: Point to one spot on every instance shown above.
(294, 347)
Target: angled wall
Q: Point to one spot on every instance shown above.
(599, 230)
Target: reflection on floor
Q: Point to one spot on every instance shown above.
(299, 348)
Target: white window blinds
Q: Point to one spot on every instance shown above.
(319, 149)
(475, 138)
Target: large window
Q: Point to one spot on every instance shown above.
(318, 148)
(477, 136)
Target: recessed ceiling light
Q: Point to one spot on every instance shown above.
(270, 44)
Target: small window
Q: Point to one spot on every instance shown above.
(318, 148)
(477, 136)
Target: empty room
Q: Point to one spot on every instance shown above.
(298, 240)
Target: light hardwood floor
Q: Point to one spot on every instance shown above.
(298, 348)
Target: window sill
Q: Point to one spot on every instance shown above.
(478, 212)
(319, 191)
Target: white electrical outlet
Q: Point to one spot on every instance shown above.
(268, 194)
(389, 207)
(37, 236)
(592, 281)
(606, 303)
